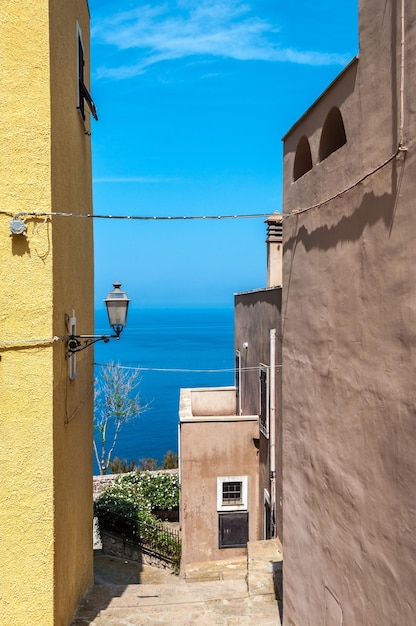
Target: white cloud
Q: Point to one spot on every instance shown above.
(184, 28)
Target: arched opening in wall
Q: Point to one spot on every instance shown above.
(303, 158)
(333, 134)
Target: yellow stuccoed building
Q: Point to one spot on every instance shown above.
(46, 274)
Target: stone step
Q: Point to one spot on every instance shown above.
(178, 593)
(263, 559)
(216, 593)
(218, 603)
(233, 569)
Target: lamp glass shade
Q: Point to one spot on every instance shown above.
(117, 304)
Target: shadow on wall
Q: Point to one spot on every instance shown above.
(350, 228)
(278, 586)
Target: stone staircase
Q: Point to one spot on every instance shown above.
(229, 593)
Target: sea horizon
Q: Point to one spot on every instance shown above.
(173, 348)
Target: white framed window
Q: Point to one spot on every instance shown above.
(264, 399)
(232, 493)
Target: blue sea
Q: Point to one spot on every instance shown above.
(166, 339)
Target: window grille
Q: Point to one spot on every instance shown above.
(232, 493)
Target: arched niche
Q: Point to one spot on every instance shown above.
(303, 158)
(333, 134)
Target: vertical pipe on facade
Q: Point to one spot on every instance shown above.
(272, 422)
(401, 131)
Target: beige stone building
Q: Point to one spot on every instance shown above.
(258, 347)
(349, 334)
(230, 438)
(219, 476)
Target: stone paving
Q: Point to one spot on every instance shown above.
(221, 603)
(148, 596)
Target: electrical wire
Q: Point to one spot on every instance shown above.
(172, 218)
(150, 218)
(183, 370)
(401, 149)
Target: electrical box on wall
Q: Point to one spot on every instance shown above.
(233, 529)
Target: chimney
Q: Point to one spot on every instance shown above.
(274, 250)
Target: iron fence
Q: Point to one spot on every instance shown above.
(152, 536)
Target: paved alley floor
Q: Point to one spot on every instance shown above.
(220, 603)
(149, 596)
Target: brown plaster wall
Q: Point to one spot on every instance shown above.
(349, 314)
(210, 450)
(255, 314)
(329, 176)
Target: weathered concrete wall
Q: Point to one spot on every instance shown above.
(212, 401)
(211, 449)
(256, 314)
(45, 420)
(349, 312)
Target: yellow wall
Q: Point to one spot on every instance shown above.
(73, 289)
(45, 419)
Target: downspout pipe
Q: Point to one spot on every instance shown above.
(272, 434)
(402, 48)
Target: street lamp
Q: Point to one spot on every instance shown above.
(117, 304)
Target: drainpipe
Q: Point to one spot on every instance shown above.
(402, 45)
(272, 434)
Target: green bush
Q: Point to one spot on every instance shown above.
(125, 509)
(158, 490)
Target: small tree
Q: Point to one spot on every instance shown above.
(122, 466)
(117, 401)
(148, 464)
(170, 460)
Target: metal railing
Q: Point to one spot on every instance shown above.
(153, 537)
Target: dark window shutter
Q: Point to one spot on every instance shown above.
(233, 529)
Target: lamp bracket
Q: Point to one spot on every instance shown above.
(76, 343)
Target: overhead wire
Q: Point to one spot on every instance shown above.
(149, 218)
(183, 370)
(401, 149)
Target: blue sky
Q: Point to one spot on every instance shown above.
(193, 97)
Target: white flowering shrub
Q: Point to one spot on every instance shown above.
(125, 508)
(160, 491)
